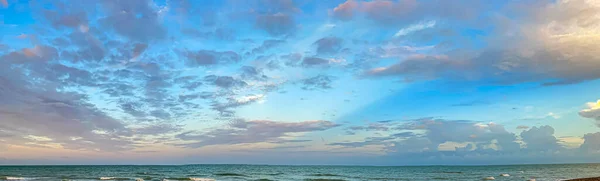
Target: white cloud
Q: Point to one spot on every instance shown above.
(592, 111)
(415, 27)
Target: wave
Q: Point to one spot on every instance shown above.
(114, 178)
(15, 178)
(449, 172)
(264, 179)
(325, 175)
(323, 179)
(190, 178)
(230, 175)
(146, 173)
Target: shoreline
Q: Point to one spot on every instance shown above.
(586, 179)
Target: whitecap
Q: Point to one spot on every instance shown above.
(107, 178)
(489, 178)
(505, 175)
(15, 178)
(139, 179)
(201, 179)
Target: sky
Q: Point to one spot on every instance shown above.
(407, 82)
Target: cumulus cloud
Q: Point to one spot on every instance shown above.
(243, 131)
(592, 111)
(591, 143)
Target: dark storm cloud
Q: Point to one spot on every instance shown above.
(256, 131)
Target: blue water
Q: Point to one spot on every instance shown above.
(305, 173)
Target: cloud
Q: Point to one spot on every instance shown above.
(345, 11)
(592, 111)
(253, 73)
(62, 116)
(314, 62)
(328, 45)
(319, 82)
(419, 67)
(543, 49)
(591, 143)
(414, 27)
(135, 19)
(226, 82)
(256, 131)
(266, 45)
(225, 108)
(276, 24)
(210, 57)
(541, 139)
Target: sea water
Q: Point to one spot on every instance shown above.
(304, 173)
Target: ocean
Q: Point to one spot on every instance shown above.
(303, 173)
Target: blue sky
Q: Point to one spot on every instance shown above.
(408, 82)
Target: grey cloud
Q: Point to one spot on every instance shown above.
(276, 24)
(371, 127)
(319, 82)
(232, 103)
(210, 57)
(253, 73)
(73, 20)
(135, 19)
(225, 82)
(60, 116)
(161, 114)
(420, 68)
(328, 45)
(541, 139)
(188, 82)
(591, 143)
(266, 45)
(252, 132)
(157, 129)
(133, 108)
(293, 59)
(314, 62)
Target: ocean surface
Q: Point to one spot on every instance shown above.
(304, 173)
